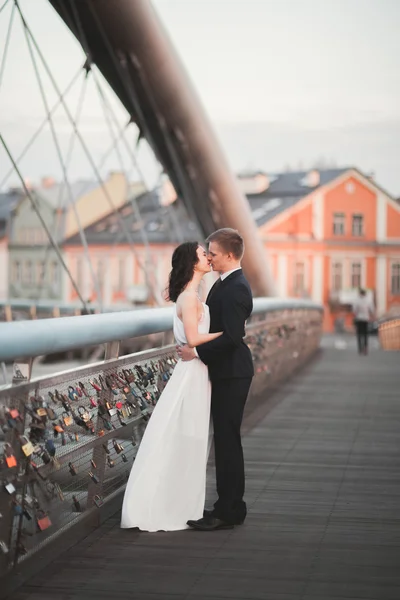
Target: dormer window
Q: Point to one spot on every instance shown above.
(312, 179)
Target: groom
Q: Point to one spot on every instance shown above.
(231, 370)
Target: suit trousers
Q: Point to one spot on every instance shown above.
(228, 399)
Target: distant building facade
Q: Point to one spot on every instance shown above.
(35, 270)
(125, 271)
(326, 234)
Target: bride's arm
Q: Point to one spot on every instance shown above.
(191, 322)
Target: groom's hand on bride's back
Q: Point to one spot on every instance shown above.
(185, 353)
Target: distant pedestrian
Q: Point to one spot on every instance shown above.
(363, 312)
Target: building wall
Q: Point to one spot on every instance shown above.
(350, 197)
(33, 266)
(118, 268)
(124, 279)
(305, 234)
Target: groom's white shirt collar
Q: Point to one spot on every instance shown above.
(225, 275)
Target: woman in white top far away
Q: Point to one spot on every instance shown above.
(363, 310)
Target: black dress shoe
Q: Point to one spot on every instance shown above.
(209, 524)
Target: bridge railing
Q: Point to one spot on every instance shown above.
(68, 441)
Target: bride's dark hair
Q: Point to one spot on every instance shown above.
(184, 259)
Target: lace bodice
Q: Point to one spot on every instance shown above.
(179, 330)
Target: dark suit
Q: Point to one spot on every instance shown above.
(231, 370)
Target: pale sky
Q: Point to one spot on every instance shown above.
(285, 82)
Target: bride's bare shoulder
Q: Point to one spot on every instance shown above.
(186, 302)
(186, 297)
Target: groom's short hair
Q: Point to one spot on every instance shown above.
(230, 240)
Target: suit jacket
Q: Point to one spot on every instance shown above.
(230, 302)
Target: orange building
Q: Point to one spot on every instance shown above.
(326, 234)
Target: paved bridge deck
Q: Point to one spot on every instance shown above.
(323, 491)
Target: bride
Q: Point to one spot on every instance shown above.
(166, 486)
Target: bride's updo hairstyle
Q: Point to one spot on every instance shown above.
(184, 260)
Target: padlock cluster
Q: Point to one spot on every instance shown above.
(279, 338)
(47, 436)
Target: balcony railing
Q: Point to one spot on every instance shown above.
(68, 441)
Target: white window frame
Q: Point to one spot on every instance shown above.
(41, 271)
(28, 274)
(79, 273)
(55, 273)
(16, 271)
(340, 263)
(336, 217)
(353, 262)
(357, 216)
(101, 272)
(296, 289)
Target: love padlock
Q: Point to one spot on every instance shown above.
(42, 520)
(72, 394)
(50, 413)
(26, 446)
(98, 500)
(83, 413)
(68, 419)
(117, 447)
(14, 413)
(82, 387)
(93, 477)
(77, 505)
(11, 461)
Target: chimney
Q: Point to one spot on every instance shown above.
(253, 183)
(313, 178)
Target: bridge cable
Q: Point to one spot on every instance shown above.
(3, 6)
(62, 164)
(88, 155)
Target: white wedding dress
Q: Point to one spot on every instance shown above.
(166, 486)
